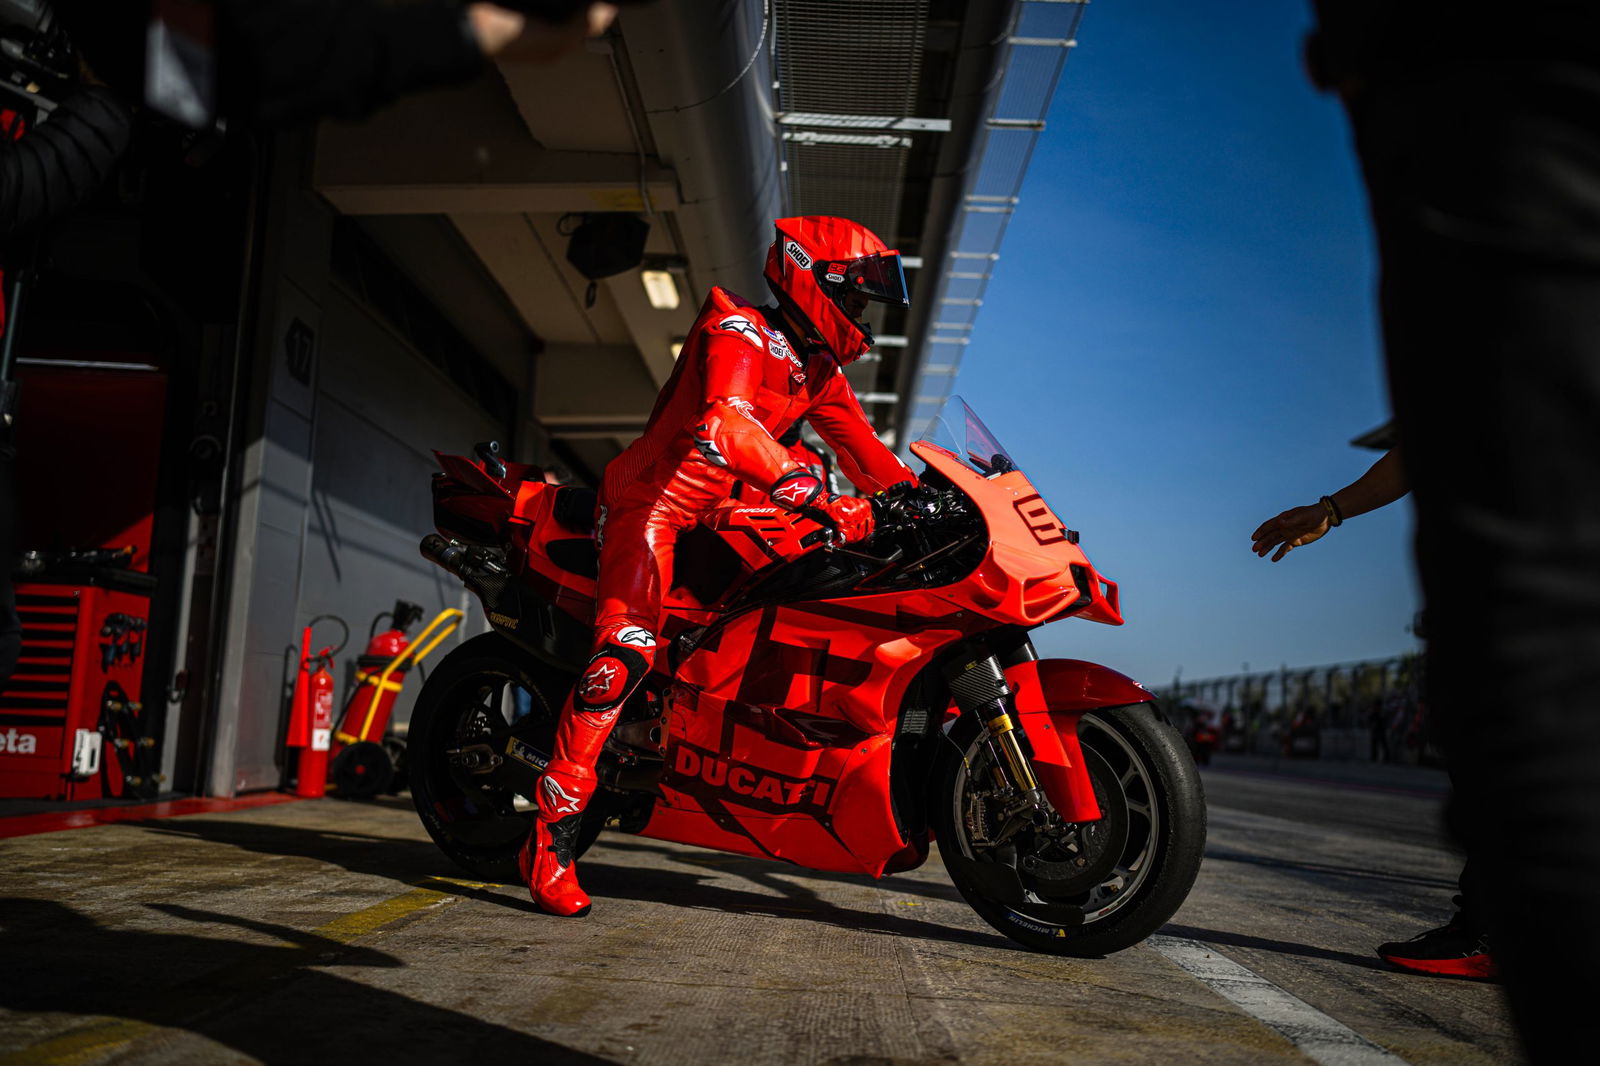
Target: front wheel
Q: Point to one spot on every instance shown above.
(1081, 890)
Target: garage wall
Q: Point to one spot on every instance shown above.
(380, 409)
(330, 480)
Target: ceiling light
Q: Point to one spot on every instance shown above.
(677, 348)
(660, 288)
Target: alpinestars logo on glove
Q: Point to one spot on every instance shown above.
(795, 493)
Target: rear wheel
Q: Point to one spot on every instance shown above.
(465, 715)
(1083, 890)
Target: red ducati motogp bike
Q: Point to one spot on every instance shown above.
(837, 707)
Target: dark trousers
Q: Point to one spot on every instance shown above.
(1484, 179)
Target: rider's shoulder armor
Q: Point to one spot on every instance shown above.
(728, 313)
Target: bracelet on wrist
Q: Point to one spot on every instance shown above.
(1334, 517)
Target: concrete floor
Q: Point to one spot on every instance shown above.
(324, 931)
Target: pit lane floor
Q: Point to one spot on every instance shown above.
(325, 931)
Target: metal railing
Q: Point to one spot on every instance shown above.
(1364, 710)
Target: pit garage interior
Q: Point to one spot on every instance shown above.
(283, 327)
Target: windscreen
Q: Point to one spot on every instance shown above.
(959, 430)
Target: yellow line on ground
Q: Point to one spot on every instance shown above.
(81, 1044)
(352, 926)
(192, 1000)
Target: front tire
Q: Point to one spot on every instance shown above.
(470, 701)
(1138, 863)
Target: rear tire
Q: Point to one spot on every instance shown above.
(1159, 831)
(469, 699)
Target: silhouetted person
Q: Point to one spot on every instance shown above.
(1478, 130)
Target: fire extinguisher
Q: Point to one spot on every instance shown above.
(311, 713)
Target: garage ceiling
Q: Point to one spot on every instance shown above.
(709, 120)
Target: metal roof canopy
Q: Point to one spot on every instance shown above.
(710, 119)
(1035, 51)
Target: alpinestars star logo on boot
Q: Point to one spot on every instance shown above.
(561, 801)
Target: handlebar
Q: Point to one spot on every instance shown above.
(904, 506)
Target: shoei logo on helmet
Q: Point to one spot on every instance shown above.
(834, 277)
(798, 254)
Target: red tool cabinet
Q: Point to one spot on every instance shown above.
(71, 726)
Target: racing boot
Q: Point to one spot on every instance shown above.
(547, 856)
(621, 660)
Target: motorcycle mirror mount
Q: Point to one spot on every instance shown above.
(489, 452)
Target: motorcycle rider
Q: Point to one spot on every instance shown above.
(744, 376)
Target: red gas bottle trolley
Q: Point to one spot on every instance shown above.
(364, 757)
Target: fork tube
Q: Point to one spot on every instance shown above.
(979, 687)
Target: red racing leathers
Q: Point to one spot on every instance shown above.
(739, 383)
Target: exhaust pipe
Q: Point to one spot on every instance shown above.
(446, 553)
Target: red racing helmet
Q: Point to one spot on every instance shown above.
(816, 261)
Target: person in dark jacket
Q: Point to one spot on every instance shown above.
(45, 171)
(1481, 156)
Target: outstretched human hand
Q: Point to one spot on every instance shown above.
(1292, 529)
(507, 33)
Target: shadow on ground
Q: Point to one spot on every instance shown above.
(263, 1001)
(1224, 938)
(606, 874)
(612, 884)
(1321, 871)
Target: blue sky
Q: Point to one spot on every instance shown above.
(1180, 340)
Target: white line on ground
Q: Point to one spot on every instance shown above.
(1320, 1037)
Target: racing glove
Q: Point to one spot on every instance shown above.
(801, 490)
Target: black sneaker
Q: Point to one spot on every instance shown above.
(1454, 950)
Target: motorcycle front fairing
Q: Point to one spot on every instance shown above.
(1033, 572)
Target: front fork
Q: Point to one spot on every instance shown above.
(979, 688)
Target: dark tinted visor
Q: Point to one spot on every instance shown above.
(877, 277)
